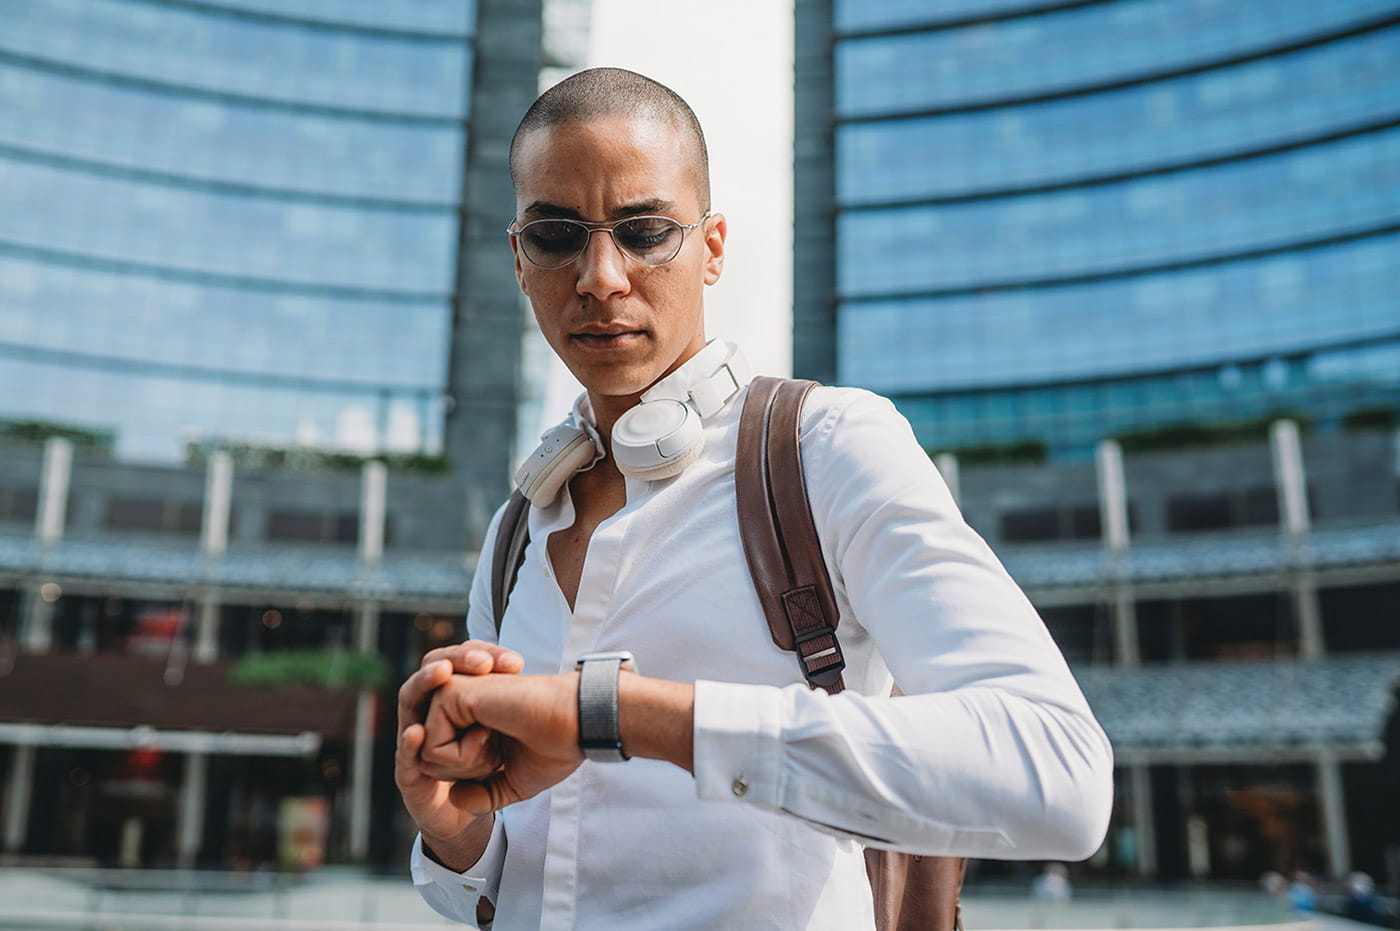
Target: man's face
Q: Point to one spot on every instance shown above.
(618, 325)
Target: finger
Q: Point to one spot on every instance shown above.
(407, 765)
(416, 690)
(473, 756)
(481, 797)
(477, 657)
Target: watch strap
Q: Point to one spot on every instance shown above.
(599, 734)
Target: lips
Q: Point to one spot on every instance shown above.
(607, 335)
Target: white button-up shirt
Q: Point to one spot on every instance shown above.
(991, 753)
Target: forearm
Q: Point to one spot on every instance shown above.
(657, 719)
(461, 852)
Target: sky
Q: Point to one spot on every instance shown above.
(732, 62)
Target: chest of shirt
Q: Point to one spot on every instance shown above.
(665, 577)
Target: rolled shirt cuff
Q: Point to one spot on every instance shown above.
(454, 895)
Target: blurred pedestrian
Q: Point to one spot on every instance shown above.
(1052, 885)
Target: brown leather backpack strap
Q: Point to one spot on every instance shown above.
(779, 535)
(512, 536)
(810, 604)
(759, 533)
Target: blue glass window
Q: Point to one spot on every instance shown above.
(227, 234)
(1326, 89)
(1281, 305)
(228, 142)
(260, 58)
(1070, 49)
(1275, 201)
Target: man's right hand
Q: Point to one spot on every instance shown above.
(453, 837)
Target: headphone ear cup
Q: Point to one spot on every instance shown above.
(666, 467)
(657, 439)
(564, 451)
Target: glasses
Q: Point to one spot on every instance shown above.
(554, 243)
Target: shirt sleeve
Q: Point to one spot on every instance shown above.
(455, 895)
(992, 750)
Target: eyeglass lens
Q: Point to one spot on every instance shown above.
(649, 240)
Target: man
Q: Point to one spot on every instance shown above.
(749, 797)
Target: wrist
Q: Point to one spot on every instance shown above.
(461, 852)
(657, 719)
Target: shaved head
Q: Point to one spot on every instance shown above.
(614, 92)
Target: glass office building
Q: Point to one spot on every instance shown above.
(239, 238)
(1059, 221)
(232, 222)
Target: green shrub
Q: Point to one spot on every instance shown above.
(1187, 434)
(1379, 417)
(332, 669)
(1020, 452)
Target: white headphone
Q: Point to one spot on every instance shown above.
(656, 439)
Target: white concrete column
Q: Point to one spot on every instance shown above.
(37, 621)
(19, 787)
(362, 749)
(1125, 628)
(37, 635)
(1309, 616)
(53, 490)
(206, 631)
(947, 465)
(1289, 478)
(190, 826)
(1113, 527)
(1334, 814)
(373, 480)
(1143, 821)
(218, 498)
(1113, 495)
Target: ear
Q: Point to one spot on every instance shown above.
(519, 264)
(715, 231)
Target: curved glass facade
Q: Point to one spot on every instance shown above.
(232, 221)
(1057, 224)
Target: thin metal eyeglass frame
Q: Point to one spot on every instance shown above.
(592, 228)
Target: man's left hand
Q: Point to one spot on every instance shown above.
(535, 723)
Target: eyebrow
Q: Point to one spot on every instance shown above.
(652, 206)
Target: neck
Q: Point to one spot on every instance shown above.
(606, 409)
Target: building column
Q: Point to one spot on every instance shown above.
(53, 490)
(213, 543)
(54, 481)
(372, 508)
(190, 826)
(1334, 814)
(1289, 478)
(1295, 523)
(1308, 613)
(19, 787)
(1143, 821)
(362, 749)
(1113, 524)
(373, 493)
(947, 465)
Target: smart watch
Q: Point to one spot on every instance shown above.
(599, 735)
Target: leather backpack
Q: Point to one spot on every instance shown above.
(911, 893)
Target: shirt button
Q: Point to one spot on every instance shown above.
(740, 787)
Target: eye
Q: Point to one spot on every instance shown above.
(646, 234)
(554, 237)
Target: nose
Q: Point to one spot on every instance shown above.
(602, 268)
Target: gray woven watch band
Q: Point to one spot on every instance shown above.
(599, 736)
